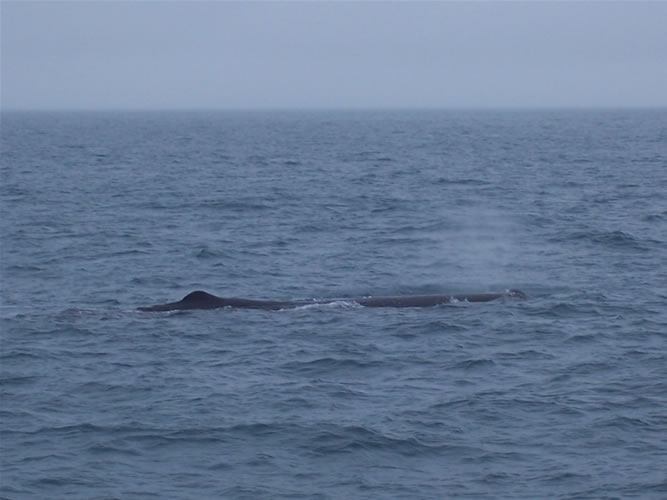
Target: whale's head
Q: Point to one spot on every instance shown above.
(517, 294)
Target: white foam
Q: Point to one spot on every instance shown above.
(336, 304)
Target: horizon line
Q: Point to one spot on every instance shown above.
(291, 109)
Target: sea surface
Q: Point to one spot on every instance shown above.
(563, 395)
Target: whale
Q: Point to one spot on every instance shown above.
(204, 300)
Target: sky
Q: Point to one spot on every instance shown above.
(324, 55)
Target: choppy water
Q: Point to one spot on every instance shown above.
(561, 396)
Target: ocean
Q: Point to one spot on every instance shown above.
(562, 395)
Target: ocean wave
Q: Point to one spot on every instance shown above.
(474, 364)
(609, 239)
(353, 438)
(462, 182)
(207, 253)
(327, 365)
(654, 217)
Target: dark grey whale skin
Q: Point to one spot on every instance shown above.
(204, 300)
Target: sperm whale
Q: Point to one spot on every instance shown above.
(204, 300)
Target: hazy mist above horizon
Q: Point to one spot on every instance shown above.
(251, 55)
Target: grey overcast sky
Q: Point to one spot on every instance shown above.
(226, 55)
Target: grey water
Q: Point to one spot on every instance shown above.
(563, 395)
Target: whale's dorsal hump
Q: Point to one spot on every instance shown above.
(197, 295)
